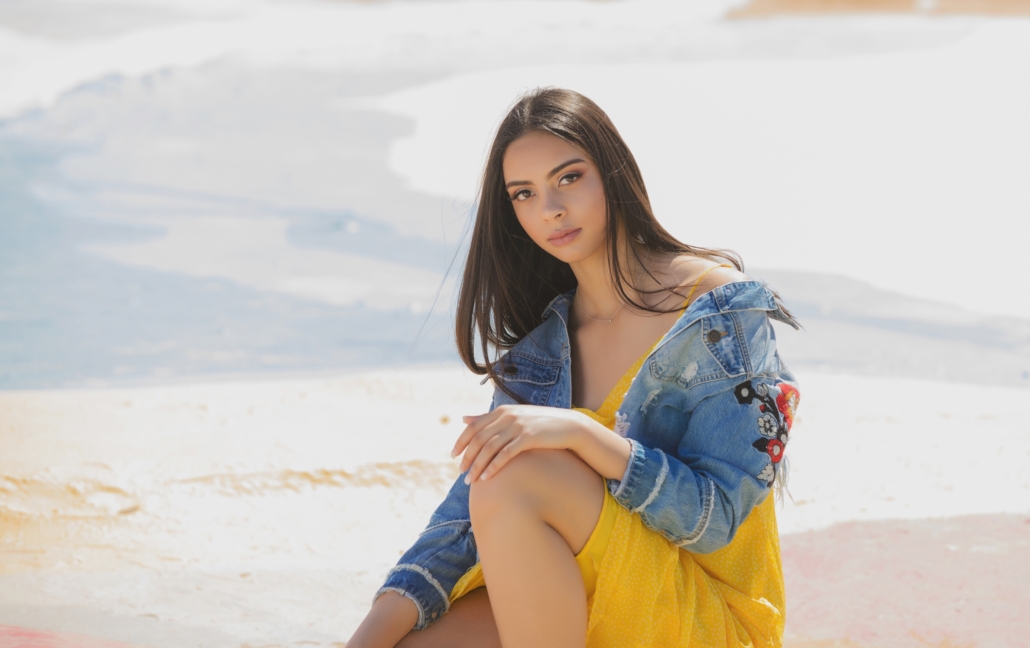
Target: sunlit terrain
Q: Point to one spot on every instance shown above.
(231, 232)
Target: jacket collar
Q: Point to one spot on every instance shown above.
(560, 306)
(727, 298)
(735, 296)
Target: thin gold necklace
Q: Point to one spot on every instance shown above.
(609, 320)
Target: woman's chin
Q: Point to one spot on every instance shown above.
(576, 252)
(572, 257)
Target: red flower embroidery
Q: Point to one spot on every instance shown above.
(777, 416)
(787, 403)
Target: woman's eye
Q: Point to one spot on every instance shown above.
(521, 194)
(569, 178)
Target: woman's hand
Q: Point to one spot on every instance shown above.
(491, 440)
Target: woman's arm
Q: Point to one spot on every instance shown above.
(696, 497)
(442, 553)
(603, 450)
(699, 496)
(730, 446)
(391, 618)
(491, 440)
(415, 593)
(730, 449)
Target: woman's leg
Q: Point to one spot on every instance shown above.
(561, 488)
(468, 624)
(530, 520)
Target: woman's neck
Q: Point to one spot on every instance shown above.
(650, 279)
(597, 294)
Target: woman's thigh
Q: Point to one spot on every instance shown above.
(566, 492)
(468, 624)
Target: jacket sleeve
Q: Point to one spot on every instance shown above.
(446, 549)
(442, 553)
(725, 465)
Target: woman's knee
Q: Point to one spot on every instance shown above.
(547, 481)
(521, 479)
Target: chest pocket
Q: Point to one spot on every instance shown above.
(529, 377)
(722, 336)
(708, 350)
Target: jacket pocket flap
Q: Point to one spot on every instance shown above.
(520, 368)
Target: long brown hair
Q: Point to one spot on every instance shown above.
(508, 279)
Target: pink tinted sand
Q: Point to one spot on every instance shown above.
(12, 637)
(960, 582)
(223, 514)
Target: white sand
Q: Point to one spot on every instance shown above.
(266, 512)
(223, 514)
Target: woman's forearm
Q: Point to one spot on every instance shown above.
(392, 616)
(605, 451)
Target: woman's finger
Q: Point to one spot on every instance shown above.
(498, 433)
(504, 455)
(485, 456)
(471, 429)
(476, 443)
(488, 427)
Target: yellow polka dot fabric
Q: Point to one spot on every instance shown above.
(645, 591)
(650, 592)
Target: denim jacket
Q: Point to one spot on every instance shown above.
(707, 417)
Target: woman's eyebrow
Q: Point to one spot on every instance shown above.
(549, 175)
(562, 166)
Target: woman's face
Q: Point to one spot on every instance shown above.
(557, 194)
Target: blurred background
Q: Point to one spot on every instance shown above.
(231, 233)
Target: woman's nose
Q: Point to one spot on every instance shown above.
(553, 206)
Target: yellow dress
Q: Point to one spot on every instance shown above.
(645, 591)
(642, 590)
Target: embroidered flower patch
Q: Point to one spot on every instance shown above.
(767, 473)
(774, 422)
(768, 426)
(787, 403)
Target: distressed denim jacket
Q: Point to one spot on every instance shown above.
(707, 417)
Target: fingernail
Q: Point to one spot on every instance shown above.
(467, 480)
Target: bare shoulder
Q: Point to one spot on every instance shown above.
(718, 275)
(701, 275)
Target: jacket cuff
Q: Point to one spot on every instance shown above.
(644, 476)
(416, 583)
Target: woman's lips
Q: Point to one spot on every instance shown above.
(564, 237)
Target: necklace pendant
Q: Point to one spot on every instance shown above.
(609, 320)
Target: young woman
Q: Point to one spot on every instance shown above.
(618, 491)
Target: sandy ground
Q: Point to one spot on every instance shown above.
(951, 582)
(213, 192)
(267, 512)
(770, 8)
